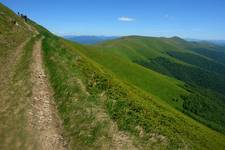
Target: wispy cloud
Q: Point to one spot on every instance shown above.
(126, 19)
(168, 17)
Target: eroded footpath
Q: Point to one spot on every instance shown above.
(43, 118)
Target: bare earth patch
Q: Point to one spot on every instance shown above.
(43, 118)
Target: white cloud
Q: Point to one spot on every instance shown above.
(126, 19)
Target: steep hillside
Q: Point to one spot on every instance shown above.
(28, 120)
(15, 51)
(91, 100)
(200, 66)
(106, 96)
(92, 88)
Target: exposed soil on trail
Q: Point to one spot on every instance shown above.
(43, 118)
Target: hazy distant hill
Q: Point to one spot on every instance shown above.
(89, 39)
(218, 42)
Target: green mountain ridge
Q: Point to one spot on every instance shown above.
(150, 93)
(174, 57)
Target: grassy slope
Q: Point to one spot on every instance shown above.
(15, 103)
(179, 59)
(92, 97)
(160, 86)
(147, 121)
(11, 35)
(15, 86)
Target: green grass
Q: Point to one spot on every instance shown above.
(130, 107)
(76, 108)
(174, 58)
(103, 94)
(10, 34)
(158, 85)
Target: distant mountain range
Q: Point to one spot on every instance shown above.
(89, 39)
(218, 42)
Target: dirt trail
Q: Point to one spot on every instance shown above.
(42, 116)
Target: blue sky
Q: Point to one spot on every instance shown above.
(201, 19)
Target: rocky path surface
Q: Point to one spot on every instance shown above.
(42, 116)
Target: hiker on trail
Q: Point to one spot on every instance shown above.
(24, 17)
(21, 15)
